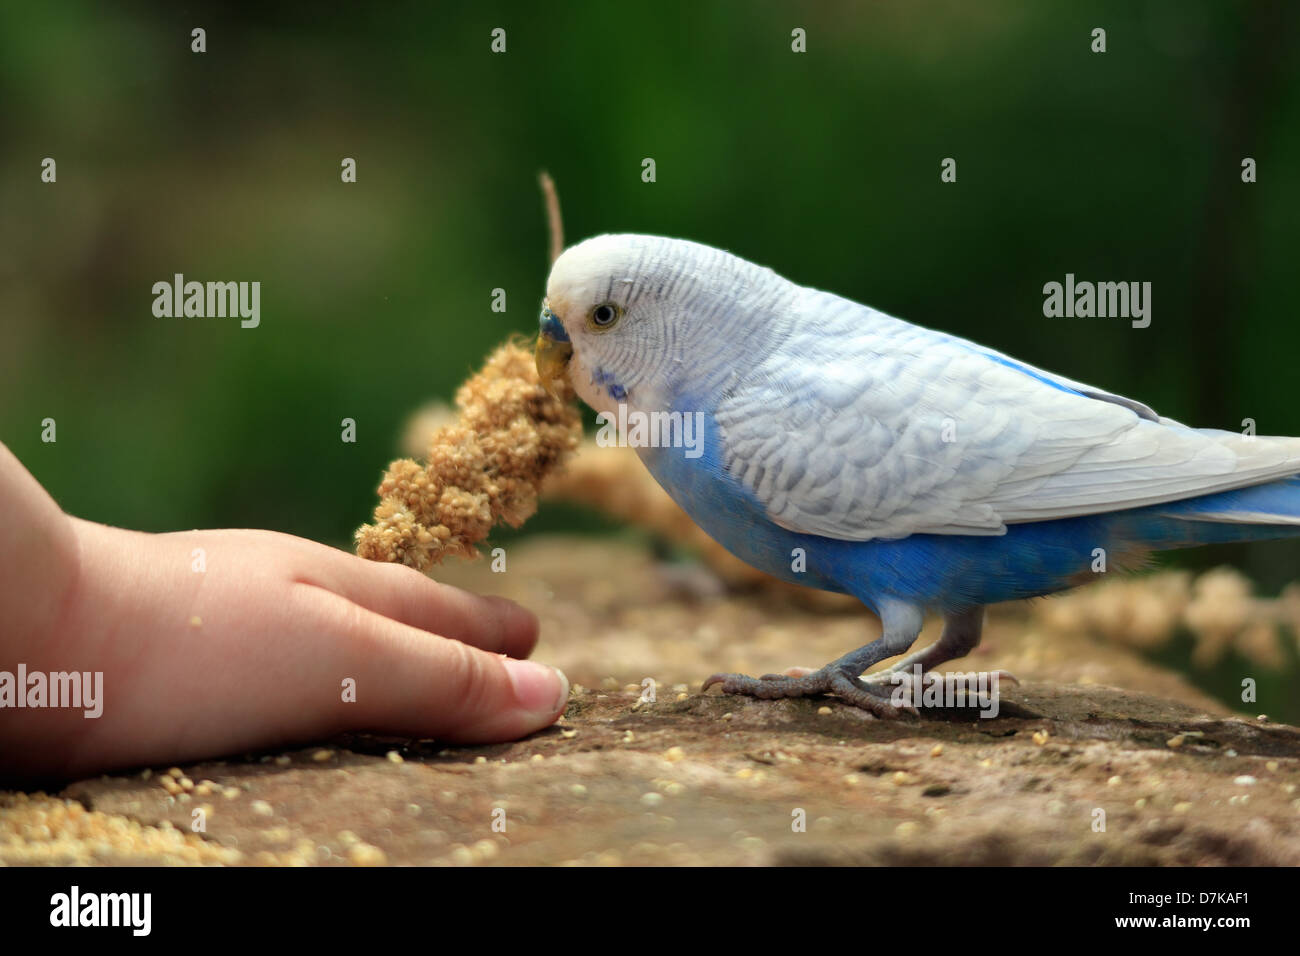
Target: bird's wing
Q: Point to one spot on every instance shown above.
(862, 426)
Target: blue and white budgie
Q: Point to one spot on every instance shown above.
(911, 469)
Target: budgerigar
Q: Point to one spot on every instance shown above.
(850, 451)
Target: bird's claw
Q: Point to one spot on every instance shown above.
(845, 686)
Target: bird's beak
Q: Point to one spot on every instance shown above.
(553, 353)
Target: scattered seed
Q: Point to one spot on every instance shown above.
(364, 854)
(462, 855)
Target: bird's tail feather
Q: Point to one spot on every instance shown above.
(1270, 510)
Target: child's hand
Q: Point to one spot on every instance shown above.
(216, 642)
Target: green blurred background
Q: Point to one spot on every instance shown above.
(376, 296)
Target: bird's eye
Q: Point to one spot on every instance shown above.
(603, 316)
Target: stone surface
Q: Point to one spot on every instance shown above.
(705, 779)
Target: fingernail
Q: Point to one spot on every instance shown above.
(536, 686)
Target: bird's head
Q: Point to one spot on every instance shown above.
(626, 316)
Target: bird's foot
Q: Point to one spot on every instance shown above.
(800, 682)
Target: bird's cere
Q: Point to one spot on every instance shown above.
(551, 327)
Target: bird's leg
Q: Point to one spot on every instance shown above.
(960, 636)
(902, 624)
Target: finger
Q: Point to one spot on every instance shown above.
(404, 594)
(411, 683)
